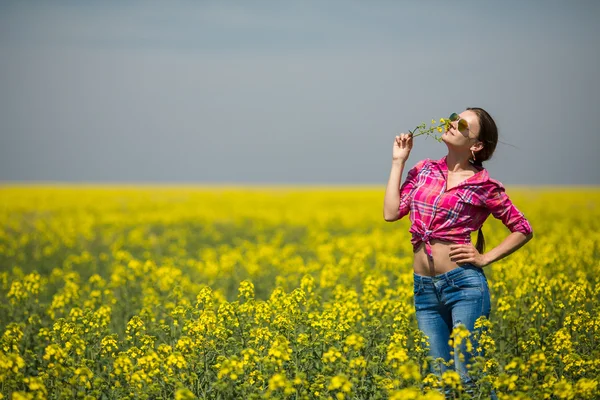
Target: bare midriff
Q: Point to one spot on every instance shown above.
(441, 262)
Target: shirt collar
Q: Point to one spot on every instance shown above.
(480, 177)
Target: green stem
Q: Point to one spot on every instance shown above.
(425, 132)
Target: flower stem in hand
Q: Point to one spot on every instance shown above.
(431, 131)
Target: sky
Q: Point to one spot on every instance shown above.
(294, 92)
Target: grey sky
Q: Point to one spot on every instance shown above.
(291, 92)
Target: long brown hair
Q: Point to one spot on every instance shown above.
(488, 134)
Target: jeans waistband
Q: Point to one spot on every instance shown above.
(453, 274)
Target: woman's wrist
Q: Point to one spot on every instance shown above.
(486, 260)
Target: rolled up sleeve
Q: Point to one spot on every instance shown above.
(503, 209)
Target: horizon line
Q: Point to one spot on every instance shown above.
(192, 184)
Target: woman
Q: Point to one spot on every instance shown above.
(447, 200)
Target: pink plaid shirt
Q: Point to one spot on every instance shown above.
(452, 215)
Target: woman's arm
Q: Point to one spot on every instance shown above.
(397, 198)
(467, 253)
(391, 202)
(509, 245)
(503, 209)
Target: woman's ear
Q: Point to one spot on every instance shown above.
(477, 146)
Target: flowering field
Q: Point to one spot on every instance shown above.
(220, 293)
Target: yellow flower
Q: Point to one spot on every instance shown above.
(22, 396)
(355, 341)
(184, 394)
(246, 290)
(340, 382)
(563, 390)
(176, 360)
(415, 394)
(451, 378)
(332, 355)
(35, 384)
(410, 371)
(586, 388)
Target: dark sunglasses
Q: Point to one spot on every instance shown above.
(463, 126)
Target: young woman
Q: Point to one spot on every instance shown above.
(447, 200)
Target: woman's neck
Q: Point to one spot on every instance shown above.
(458, 162)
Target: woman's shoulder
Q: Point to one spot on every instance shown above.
(422, 163)
(495, 183)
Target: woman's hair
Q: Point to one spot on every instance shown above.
(488, 135)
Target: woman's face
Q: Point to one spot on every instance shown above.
(467, 137)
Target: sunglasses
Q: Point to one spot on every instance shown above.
(463, 125)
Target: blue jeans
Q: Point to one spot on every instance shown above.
(442, 302)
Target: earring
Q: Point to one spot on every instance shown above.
(473, 155)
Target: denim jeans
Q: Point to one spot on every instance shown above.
(441, 303)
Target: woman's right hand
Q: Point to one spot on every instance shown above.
(402, 147)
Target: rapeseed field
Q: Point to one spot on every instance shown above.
(256, 293)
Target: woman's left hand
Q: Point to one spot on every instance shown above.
(466, 253)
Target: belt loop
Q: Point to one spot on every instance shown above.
(447, 277)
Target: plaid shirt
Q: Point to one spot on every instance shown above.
(452, 215)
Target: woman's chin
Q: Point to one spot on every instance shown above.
(446, 139)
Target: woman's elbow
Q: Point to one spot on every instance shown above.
(529, 236)
(526, 236)
(396, 215)
(389, 217)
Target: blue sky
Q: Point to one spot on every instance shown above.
(291, 92)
